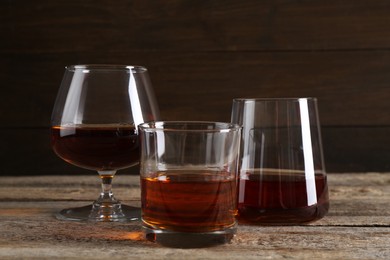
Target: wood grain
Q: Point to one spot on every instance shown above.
(201, 55)
(72, 26)
(357, 226)
(352, 88)
(28, 152)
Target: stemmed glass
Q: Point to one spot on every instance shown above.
(94, 126)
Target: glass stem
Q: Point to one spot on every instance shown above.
(106, 207)
(107, 196)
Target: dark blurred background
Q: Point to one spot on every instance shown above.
(200, 55)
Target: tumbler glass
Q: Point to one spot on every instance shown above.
(282, 178)
(189, 182)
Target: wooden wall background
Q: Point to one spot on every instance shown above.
(201, 54)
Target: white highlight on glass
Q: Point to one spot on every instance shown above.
(134, 101)
(307, 152)
(74, 104)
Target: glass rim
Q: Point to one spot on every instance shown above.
(178, 126)
(274, 99)
(102, 67)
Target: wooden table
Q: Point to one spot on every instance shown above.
(357, 226)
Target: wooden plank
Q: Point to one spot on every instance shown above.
(67, 26)
(28, 228)
(352, 87)
(349, 194)
(201, 55)
(114, 244)
(28, 152)
(356, 182)
(50, 239)
(361, 149)
(37, 209)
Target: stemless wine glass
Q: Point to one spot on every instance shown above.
(282, 172)
(94, 126)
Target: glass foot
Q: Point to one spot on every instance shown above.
(189, 240)
(101, 213)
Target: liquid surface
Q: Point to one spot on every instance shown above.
(190, 201)
(97, 147)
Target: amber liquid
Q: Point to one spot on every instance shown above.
(97, 147)
(271, 198)
(189, 201)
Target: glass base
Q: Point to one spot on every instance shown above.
(283, 216)
(99, 213)
(189, 240)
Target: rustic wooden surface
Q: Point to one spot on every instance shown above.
(201, 54)
(357, 226)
